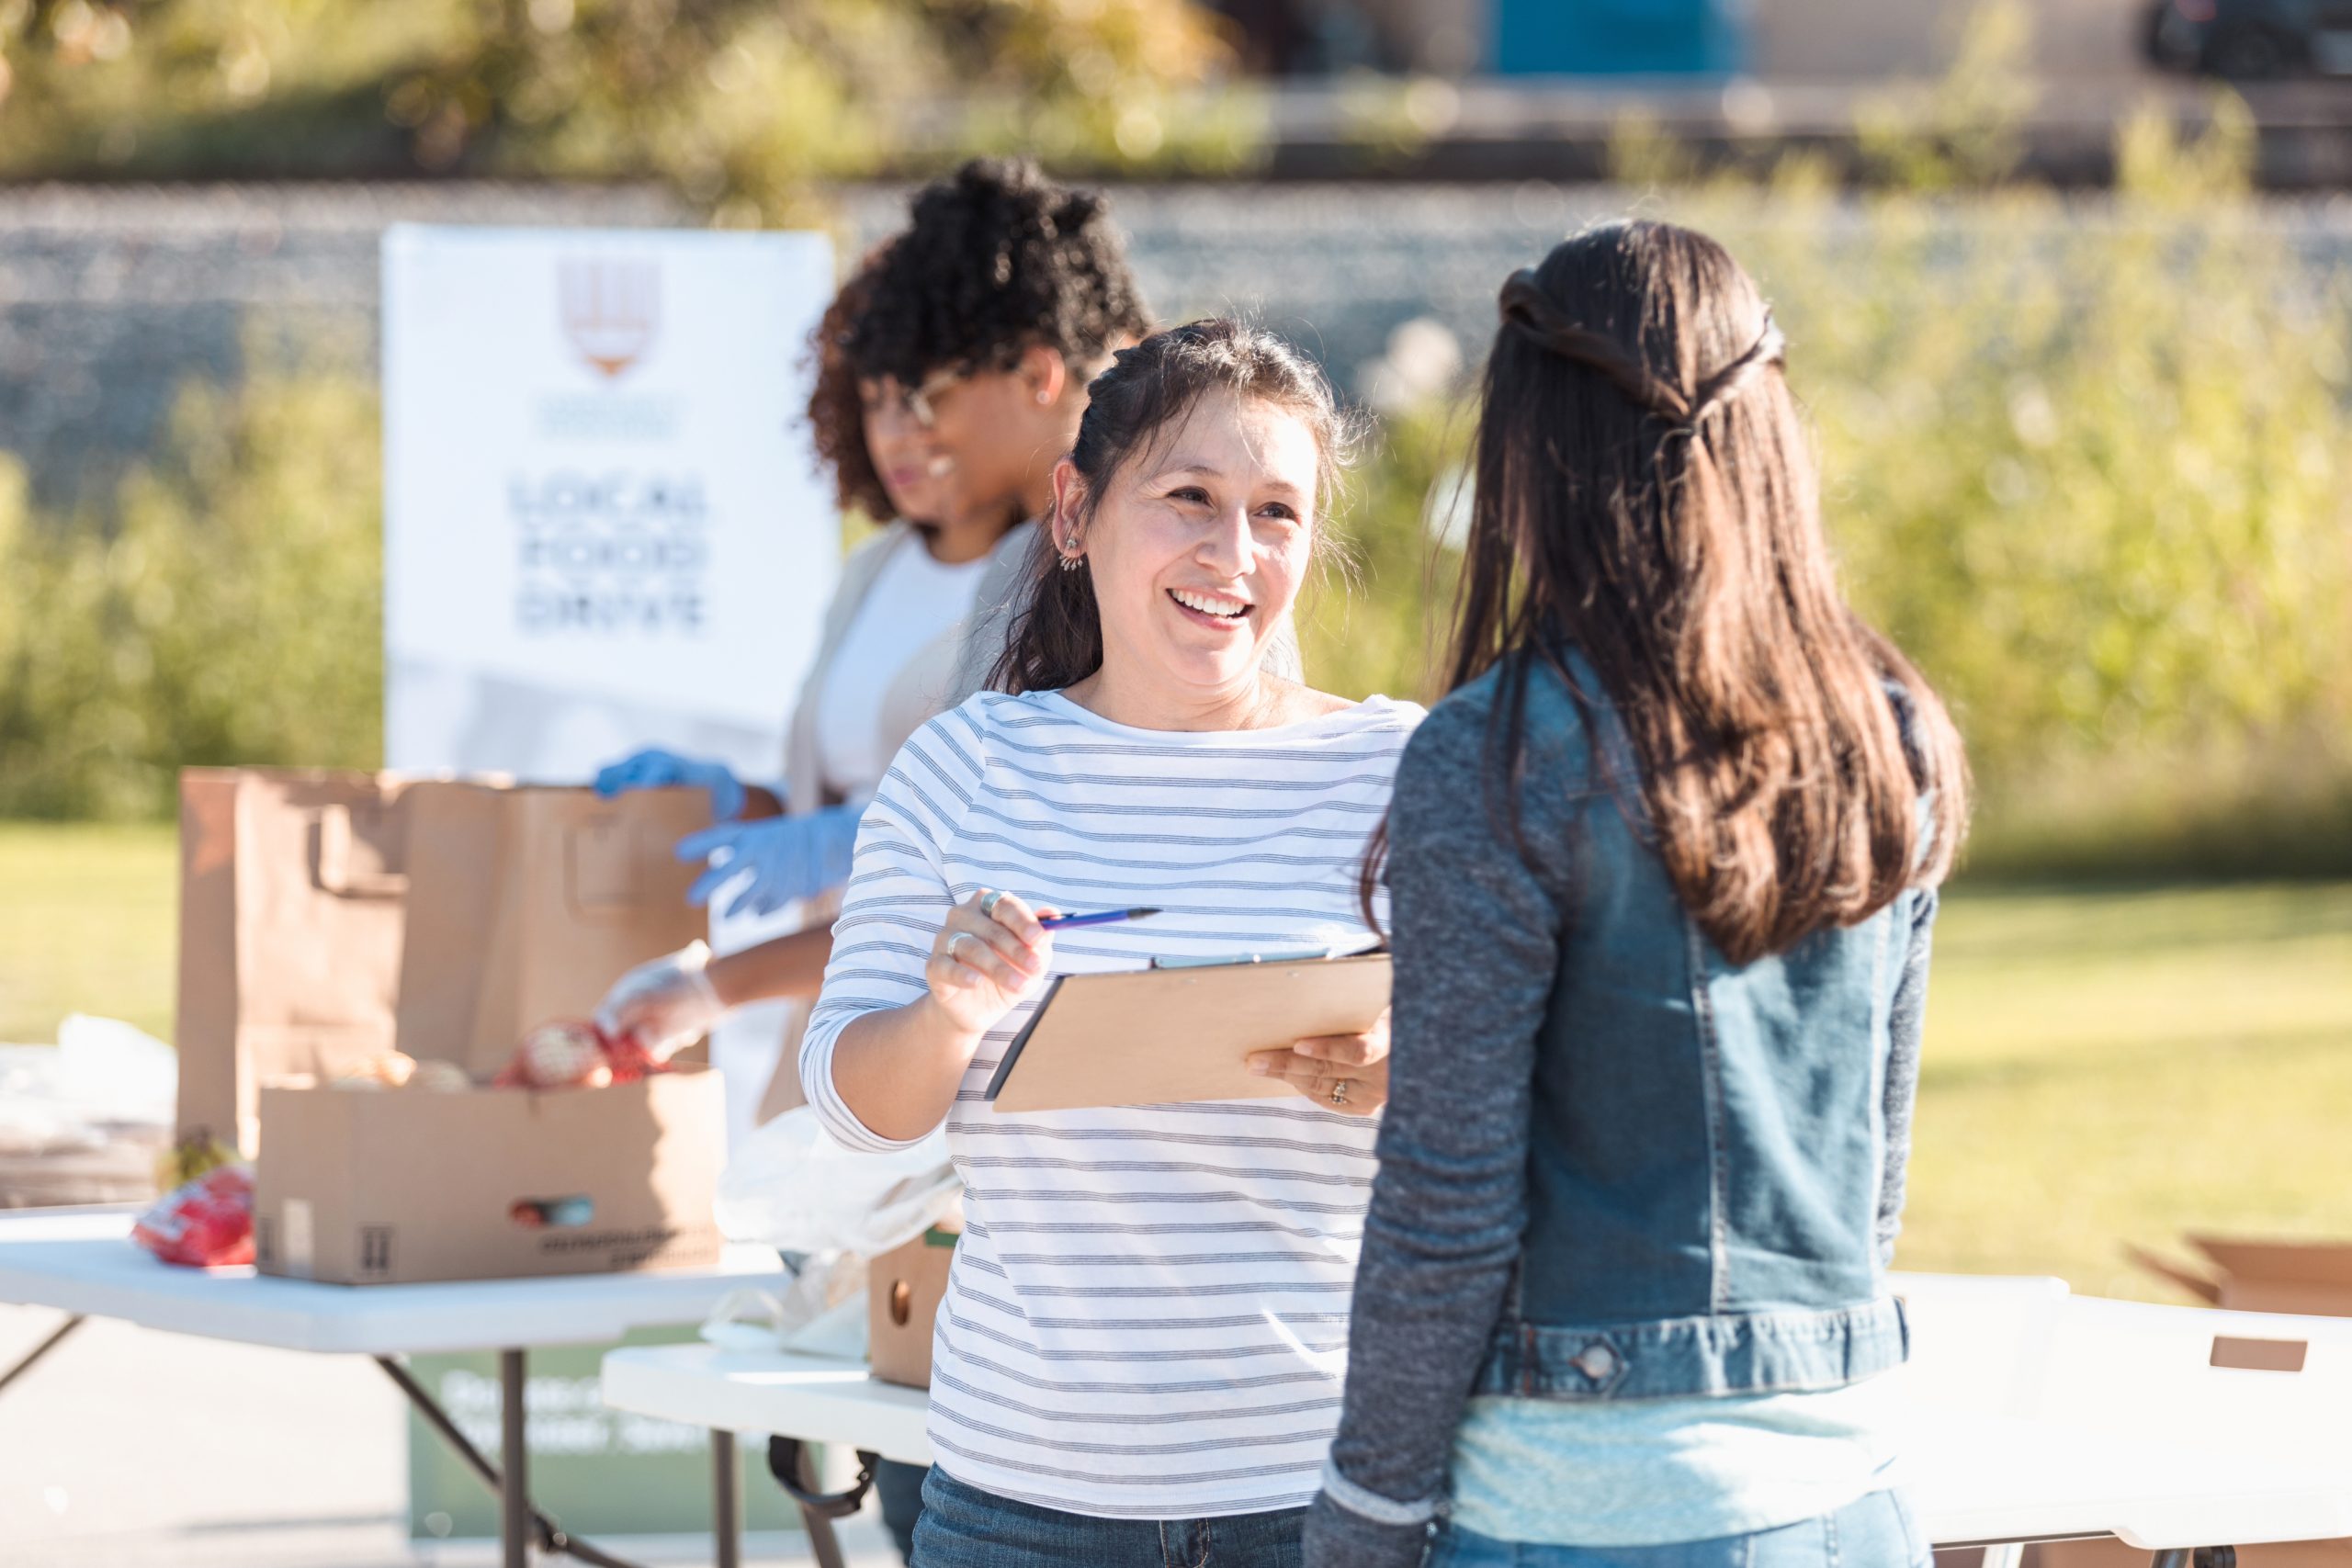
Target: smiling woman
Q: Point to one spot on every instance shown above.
(1183, 522)
(1141, 1324)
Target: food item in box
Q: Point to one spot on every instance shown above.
(629, 1059)
(443, 1078)
(569, 1053)
(396, 1070)
(565, 1054)
(203, 1223)
(391, 1070)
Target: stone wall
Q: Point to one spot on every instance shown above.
(110, 297)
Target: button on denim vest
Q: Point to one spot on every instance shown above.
(1708, 1139)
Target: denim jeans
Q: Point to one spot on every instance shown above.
(962, 1526)
(899, 1488)
(1879, 1531)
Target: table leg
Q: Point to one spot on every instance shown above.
(2008, 1556)
(2177, 1557)
(550, 1536)
(822, 1544)
(26, 1364)
(513, 1462)
(725, 1512)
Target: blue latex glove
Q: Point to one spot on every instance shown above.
(653, 767)
(789, 857)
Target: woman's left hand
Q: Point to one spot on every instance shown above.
(1346, 1072)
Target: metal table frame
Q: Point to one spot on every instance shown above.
(522, 1525)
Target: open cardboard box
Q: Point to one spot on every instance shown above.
(2314, 1278)
(904, 1288)
(2108, 1552)
(399, 1186)
(2308, 1278)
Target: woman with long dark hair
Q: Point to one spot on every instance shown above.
(1662, 870)
(1138, 1362)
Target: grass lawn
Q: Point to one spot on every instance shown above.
(2101, 1066)
(89, 921)
(2104, 1067)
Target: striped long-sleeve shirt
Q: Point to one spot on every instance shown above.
(1148, 1315)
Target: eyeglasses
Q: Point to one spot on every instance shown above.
(919, 403)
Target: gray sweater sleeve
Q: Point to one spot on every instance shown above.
(1477, 947)
(1906, 1021)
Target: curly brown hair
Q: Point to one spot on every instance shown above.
(997, 258)
(836, 412)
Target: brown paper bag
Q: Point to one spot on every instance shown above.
(290, 925)
(527, 902)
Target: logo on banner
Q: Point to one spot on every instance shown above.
(612, 309)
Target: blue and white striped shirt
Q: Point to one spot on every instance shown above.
(1147, 1316)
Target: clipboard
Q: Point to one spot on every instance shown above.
(1181, 1033)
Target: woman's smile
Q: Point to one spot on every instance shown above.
(1209, 608)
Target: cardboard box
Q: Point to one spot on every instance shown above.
(327, 918)
(904, 1288)
(526, 902)
(292, 881)
(2313, 1279)
(2108, 1552)
(399, 1186)
(2309, 1278)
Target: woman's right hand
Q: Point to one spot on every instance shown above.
(664, 1004)
(989, 954)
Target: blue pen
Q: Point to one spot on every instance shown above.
(1108, 917)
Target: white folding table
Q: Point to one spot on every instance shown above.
(1977, 1479)
(82, 1262)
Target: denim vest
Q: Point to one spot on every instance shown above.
(1709, 1140)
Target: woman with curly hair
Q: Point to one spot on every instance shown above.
(952, 371)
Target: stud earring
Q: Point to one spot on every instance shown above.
(1044, 398)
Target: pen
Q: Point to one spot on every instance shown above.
(1108, 917)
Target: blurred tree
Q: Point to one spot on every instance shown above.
(233, 614)
(2088, 460)
(743, 105)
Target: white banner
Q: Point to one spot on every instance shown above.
(604, 527)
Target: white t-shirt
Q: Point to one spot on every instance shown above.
(1148, 1315)
(912, 602)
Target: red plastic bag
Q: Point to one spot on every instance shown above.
(203, 1223)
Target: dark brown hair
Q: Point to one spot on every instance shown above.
(836, 409)
(1646, 496)
(1056, 640)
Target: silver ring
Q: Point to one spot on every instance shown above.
(989, 901)
(948, 953)
(1340, 1092)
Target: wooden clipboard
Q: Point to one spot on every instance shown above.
(1165, 1036)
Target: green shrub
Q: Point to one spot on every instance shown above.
(744, 107)
(2088, 461)
(230, 610)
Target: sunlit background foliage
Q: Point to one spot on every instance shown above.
(2088, 457)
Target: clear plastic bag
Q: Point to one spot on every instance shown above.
(791, 1187)
(821, 1312)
